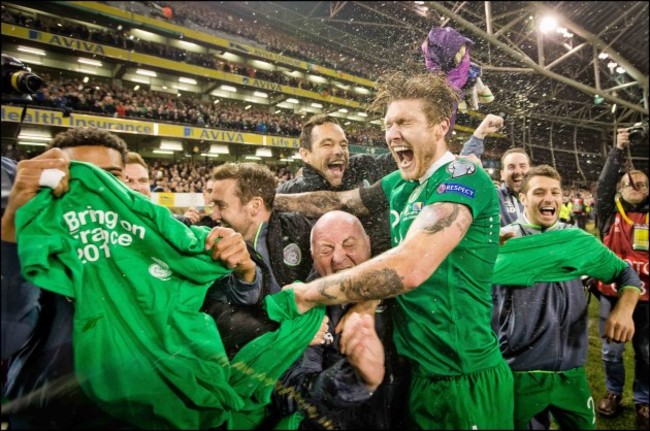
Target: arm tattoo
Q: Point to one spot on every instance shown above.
(311, 204)
(446, 215)
(355, 207)
(377, 284)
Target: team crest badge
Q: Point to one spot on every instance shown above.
(292, 255)
(160, 269)
(460, 168)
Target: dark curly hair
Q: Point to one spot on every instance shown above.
(79, 136)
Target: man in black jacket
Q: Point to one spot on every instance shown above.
(350, 381)
(278, 242)
(328, 166)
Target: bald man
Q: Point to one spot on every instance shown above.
(352, 361)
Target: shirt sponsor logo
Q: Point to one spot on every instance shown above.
(292, 254)
(460, 168)
(459, 189)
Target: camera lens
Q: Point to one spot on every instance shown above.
(638, 133)
(26, 82)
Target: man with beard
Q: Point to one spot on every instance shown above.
(278, 242)
(329, 167)
(622, 209)
(514, 165)
(444, 236)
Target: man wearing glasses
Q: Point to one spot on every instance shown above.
(622, 210)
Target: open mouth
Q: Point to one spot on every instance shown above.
(336, 167)
(404, 156)
(547, 211)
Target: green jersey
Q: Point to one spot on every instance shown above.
(443, 326)
(138, 277)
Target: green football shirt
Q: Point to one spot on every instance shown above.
(142, 349)
(443, 326)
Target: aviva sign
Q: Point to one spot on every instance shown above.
(46, 117)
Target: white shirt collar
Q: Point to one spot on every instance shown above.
(446, 158)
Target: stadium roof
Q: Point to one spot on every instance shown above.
(552, 79)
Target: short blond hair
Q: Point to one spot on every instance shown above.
(135, 158)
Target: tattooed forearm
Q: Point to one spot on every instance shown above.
(312, 204)
(377, 284)
(355, 206)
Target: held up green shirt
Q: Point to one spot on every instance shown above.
(443, 325)
(143, 350)
(556, 255)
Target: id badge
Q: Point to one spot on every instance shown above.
(640, 237)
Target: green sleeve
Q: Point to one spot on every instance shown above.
(466, 184)
(555, 256)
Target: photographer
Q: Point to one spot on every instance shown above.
(622, 210)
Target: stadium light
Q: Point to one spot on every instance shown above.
(263, 152)
(547, 24)
(90, 62)
(219, 149)
(31, 50)
(145, 72)
(171, 145)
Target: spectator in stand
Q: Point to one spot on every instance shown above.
(579, 211)
(622, 208)
(565, 210)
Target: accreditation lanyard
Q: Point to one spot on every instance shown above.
(639, 231)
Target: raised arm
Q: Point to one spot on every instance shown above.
(474, 145)
(435, 232)
(606, 186)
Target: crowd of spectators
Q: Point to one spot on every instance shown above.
(104, 98)
(207, 16)
(121, 39)
(191, 176)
